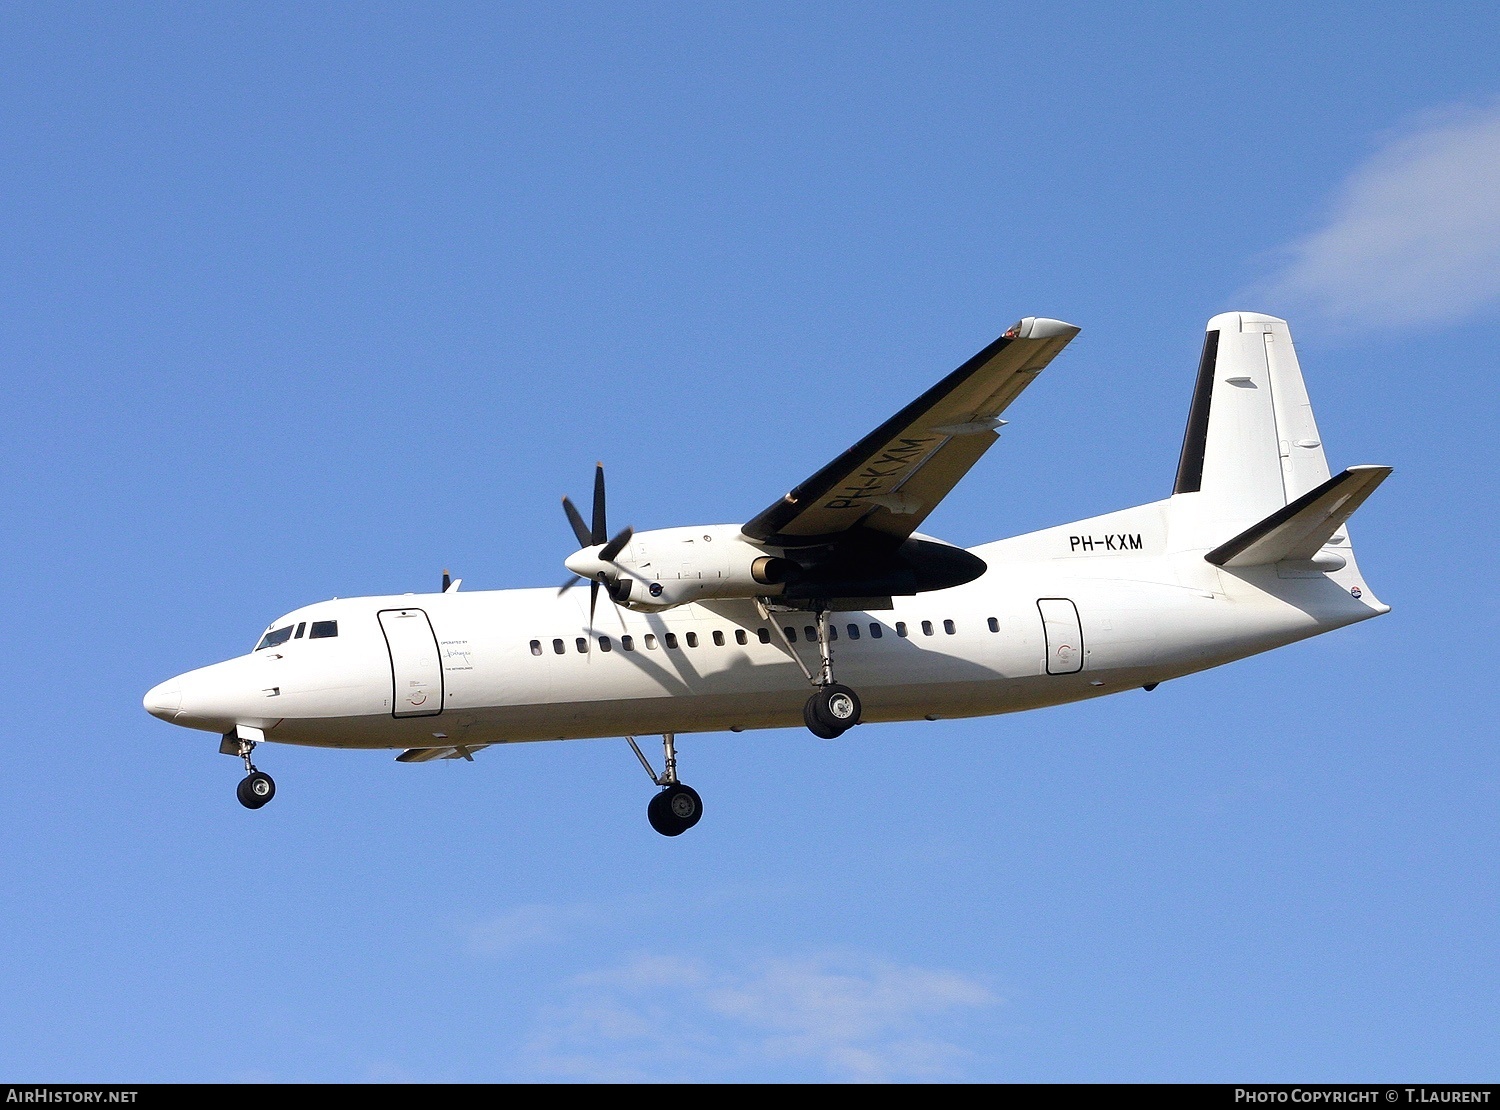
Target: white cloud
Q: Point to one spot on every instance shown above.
(1414, 236)
(663, 1018)
(519, 928)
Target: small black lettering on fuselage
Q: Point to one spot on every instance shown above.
(1114, 541)
(881, 473)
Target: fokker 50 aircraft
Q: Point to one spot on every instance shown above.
(828, 608)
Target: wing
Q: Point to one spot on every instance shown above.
(891, 479)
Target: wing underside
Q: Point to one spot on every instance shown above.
(887, 483)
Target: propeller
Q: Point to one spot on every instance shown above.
(593, 536)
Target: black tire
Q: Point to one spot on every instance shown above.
(837, 707)
(675, 810)
(255, 790)
(815, 723)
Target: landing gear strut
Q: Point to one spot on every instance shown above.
(677, 807)
(256, 788)
(835, 708)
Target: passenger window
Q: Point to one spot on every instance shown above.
(582, 645)
(927, 628)
(994, 625)
(271, 639)
(627, 642)
(764, 634)
(901, 629)
(740, 637)
(650, 641)
(833, 632)
(300, 629)
(536, 647)
(323, 630)
(670, 639)
(812, 634)
(718, 638)
(559, 647)
(854, 632)
(692, 639)
(604, 644)
(876, 631)
(949, 628)
(791, 634)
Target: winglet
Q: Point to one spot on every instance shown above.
(1301, 528)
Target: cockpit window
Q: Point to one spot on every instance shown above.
(322, 630)
(271, 639)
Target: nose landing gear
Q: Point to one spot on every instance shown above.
(677, 807)
(256, 788)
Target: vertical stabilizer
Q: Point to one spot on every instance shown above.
(1251, 445)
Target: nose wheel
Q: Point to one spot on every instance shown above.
(677, 807)
(256, 788)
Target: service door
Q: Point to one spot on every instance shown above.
(1064, 635)
(416, 670)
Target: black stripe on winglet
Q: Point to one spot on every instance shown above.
(1195, 439)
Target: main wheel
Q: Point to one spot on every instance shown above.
(255, 790)
(815, 723)
(675, 810)
(836, 706)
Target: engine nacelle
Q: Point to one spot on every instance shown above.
(673, 566)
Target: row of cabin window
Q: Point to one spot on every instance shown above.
(810, 632)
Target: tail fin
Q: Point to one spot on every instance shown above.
(1251, 446)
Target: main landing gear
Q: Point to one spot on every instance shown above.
(677, 807)
(834, 708)
(256, 788)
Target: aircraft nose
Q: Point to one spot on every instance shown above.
(164, 700)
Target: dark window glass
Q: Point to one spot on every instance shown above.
(994, 625)
(764, 634)
(854, 632)
(811, 633)
(949, 628)
(605, 645)
(536, 647)
(718, 638)
(582, 645)
(692, 639)
(670, 639)
(559, 647)
(627, 642)
(650, 641)
(833, 632)
(323, 630)
(876, 631)
(927, 628)
(301, 628)
(901, 628)
(740, 637)
(791, 634)
(271, 639)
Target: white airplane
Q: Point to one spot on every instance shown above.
(828, 608)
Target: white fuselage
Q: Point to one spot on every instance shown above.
(428, 670)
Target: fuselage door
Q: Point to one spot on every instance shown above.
(416, 670)
(1064, 635)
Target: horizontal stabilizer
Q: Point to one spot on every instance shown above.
(1300, 529)
(457, 751)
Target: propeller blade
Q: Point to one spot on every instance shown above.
(615, 546)
(601, 531)
(575, 518)
(568, 585)
(593, 600)
(447, 581)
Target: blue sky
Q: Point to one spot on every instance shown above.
(316, 300)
